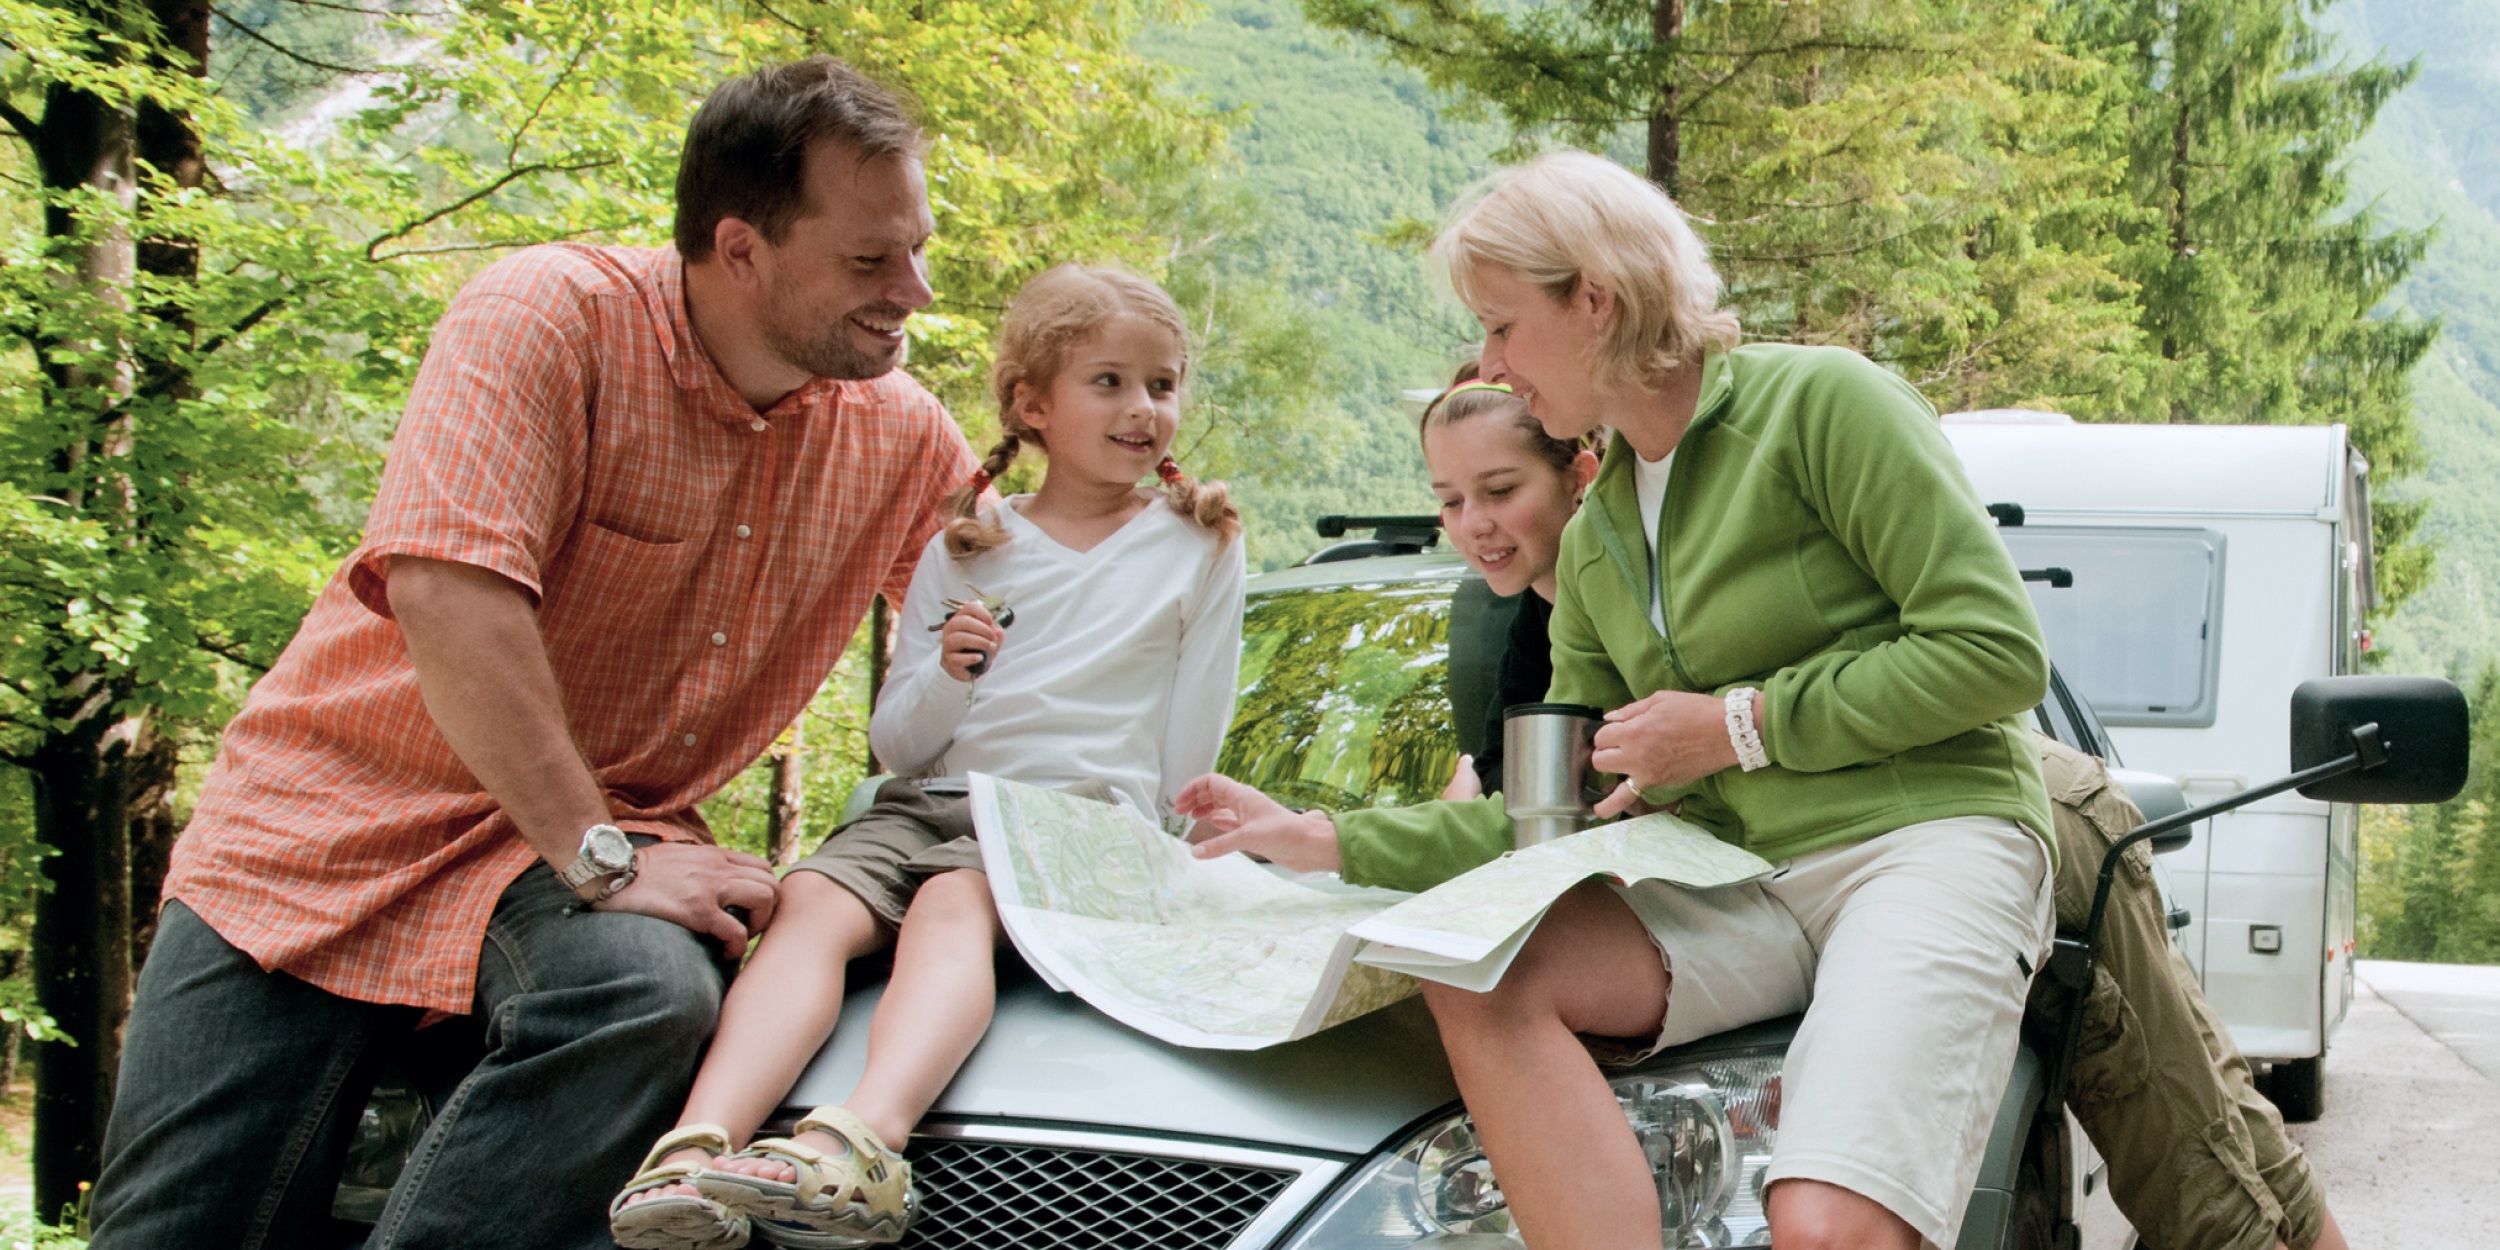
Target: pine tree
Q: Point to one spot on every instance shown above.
(1934, 185)
(2260, 290)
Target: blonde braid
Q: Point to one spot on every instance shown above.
(967, 534)
(1208, 505)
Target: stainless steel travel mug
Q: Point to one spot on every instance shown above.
(1545, 768)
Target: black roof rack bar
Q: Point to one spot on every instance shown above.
(1334, 526)
(2057, 577)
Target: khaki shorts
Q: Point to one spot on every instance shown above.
(1918, 945)
(1733, 956)
(906, 837)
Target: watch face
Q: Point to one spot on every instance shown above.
(606, 846)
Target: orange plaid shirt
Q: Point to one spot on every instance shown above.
(698, 568)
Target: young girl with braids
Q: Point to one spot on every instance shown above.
(1085, 637)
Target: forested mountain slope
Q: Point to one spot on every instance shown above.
(1337, 147)
(2434, 159)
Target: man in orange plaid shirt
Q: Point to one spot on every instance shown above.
(635, 509)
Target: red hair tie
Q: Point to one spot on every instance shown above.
(1169, 470)
(980, 481)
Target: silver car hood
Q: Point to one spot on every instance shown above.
(1049, 1057)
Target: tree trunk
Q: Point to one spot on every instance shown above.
(880, 655)
(11, 964)
(1666, 123)
(785, 821)
(2182, 245)
(172, 159)
(148, 780)
(172, 156)
(82, 942)
(102, 778)
(82, 923)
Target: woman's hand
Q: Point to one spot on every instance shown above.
(1667, 739)
(1234, 817)
(968, 638)
(1464, 784)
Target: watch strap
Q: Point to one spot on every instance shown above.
(615, 883)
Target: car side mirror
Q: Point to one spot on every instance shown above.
(2422, 734)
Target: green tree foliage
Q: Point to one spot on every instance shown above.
(1922, 181)
(2122, 209)
(2425, 166)
(1337, 149)
(207, 325)
(2260, 287)
(1345, 697)
(2431, 875)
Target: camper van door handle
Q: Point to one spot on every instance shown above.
(2210, 786)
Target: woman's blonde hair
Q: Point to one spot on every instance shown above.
(1570, 217)
(1045, 322)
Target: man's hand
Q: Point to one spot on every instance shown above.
(692, 885)
(1234, 817)
(1464, 784)
(969, 638)
(1667, 739)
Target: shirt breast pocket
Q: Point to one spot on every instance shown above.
(607, 581)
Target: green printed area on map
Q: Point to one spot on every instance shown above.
(1228, 953)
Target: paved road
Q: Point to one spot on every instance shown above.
(2409, 1148)
(2459, 1007)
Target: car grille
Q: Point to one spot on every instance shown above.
(983, 1195)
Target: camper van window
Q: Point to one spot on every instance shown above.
(2139, 633)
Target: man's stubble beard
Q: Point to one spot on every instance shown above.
(829, 351)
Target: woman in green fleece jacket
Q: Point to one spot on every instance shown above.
(1814, 646)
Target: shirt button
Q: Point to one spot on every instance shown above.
(745, 532)
(759, 425)
(689, 740)
(720, 640)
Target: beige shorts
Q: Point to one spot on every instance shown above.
(904, 838)
(1910, 954)
(1734, 957)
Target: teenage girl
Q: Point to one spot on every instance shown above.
(1084, 637)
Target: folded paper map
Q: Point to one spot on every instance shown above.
(1230, 954)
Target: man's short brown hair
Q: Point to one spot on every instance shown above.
(746, 153)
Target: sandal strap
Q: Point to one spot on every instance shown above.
(837, 1120)
(657, 1176)
(710, 1138)
(815, 1168)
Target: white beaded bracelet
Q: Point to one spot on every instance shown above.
(1741, 731)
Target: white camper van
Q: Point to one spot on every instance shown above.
(2214, 568)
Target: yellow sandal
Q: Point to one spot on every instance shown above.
(859, 1197)
(677, 1221)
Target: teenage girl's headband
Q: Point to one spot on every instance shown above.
(1461, 389)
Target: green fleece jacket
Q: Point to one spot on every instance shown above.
(1820, 542)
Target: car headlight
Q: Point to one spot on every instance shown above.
(1707, 1129)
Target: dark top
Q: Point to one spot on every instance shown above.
(1527, 669)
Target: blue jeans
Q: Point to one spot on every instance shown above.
(240, 1088)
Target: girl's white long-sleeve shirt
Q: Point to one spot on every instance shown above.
(1121, 664)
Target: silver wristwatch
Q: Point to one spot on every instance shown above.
(605, 851)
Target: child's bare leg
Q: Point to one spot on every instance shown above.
(936, 1007)
(779, 1010)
